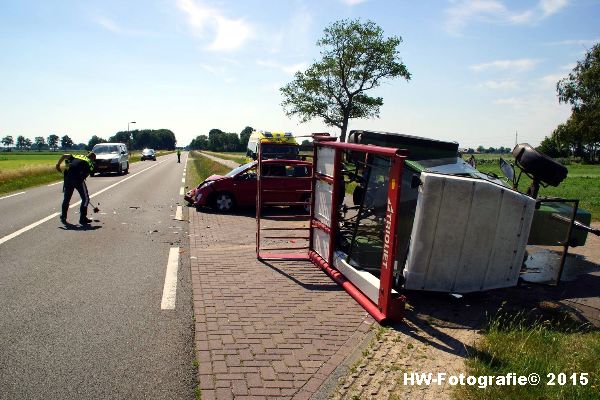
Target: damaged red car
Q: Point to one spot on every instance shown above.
(239, 186)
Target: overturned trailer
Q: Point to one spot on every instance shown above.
(393, 212)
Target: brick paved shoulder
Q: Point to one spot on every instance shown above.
(264, 330)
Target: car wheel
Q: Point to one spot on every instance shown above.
(120, 169)
(224, 202)
(127, 168)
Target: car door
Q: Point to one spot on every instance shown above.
(244, 187)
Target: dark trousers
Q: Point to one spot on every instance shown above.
(83, 193)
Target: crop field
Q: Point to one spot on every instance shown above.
(20, 170)
(582, 182)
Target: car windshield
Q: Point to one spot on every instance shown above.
(148, 151)
(239, 169)
(104, 149)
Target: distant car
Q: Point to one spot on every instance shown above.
(286, 181)
(148, 154)
(111, 157)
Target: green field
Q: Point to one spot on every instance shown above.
(582, 182)
(20, 170)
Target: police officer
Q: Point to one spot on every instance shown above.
(77, 168)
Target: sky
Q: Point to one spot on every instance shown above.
(484, 72)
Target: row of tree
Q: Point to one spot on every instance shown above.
(40, 143)
(488, 150)
(217, 140)
(163, 139)
(579, 136)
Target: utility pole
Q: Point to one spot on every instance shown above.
(516, 138)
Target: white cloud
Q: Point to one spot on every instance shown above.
(518, 65)
(227, 33)
(287, 69)
(463, 12)
(231, 34)
(293, 33)
(113, 27)
(576, 42)
(550, 7)
(551, 79)
(512, 101)
(353, 2)
(508, 84)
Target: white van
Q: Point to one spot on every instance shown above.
(111, 157)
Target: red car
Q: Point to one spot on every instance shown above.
(284, 181)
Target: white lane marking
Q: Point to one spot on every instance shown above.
(182, 180)
(179, 213)
(49, 217)
(11, 195)
(28, 227)
(181, 191)
(55, 183)
(170, 288)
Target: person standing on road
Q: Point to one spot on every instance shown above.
(77, 169)
(178, 155)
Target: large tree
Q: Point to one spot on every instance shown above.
(581, 89)
(356, 58)
(7, 141)
(40, 142)
(53, 142)
(199, 143)
(21, 143)
(66, 142)
(94, 141)
(244, 137)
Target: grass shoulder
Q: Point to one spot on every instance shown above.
(199, 168)
(560, 350)
(237, 156)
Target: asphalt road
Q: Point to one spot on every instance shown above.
(83, 313)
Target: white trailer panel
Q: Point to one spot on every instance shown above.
(468, 235)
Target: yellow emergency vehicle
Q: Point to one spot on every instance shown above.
(282, 145)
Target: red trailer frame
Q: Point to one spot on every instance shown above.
(280, 232)
(388, 306)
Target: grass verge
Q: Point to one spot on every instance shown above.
(200, 168)
(554, 346)
(238, 157)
